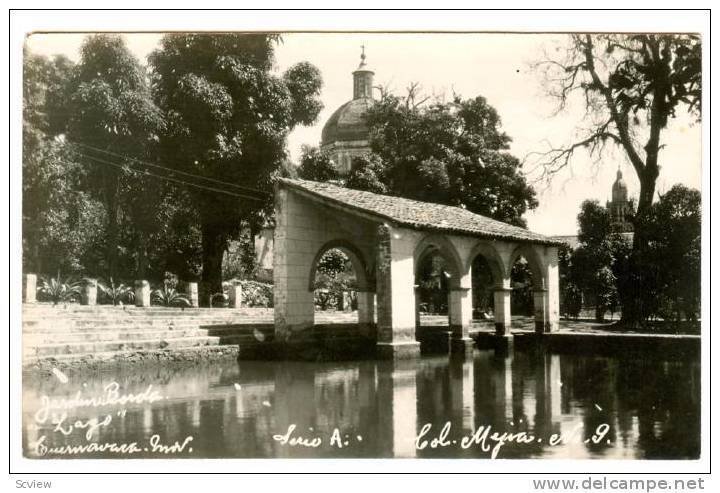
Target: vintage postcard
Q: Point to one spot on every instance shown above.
(363, 244)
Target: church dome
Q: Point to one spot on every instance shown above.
(347, 122)
(619, 189)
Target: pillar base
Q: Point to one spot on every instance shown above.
(462, 347)
(395, 351)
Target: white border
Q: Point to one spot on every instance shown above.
(24, 21)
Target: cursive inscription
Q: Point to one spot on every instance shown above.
(490, 440)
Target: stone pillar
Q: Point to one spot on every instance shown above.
(366, 312)
(293, 251)
(29, 288)
(416, 288)
(395, 295)
(502, 311)
(89, 293)
(235, 295)
(540, 307)
(552, 284)
(460, 308)
(142, 293)
(397, 418)
(192, 288)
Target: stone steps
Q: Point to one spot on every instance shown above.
(123, 326)
(110, 336)
(80, 310)
(83, 348)
(79, 331)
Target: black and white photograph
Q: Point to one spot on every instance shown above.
(383, 244)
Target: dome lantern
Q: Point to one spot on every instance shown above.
(362, 79)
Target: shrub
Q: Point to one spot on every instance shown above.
(257, 294)
(116, 294)
(572, 300)
(167, 296)
(57, 291)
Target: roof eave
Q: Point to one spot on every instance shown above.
(378, 217)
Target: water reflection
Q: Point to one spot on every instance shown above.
(377, 409)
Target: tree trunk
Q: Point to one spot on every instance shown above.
(634, 312)
(112, 237)
(141, 259)
(213, 248)
(111, 182)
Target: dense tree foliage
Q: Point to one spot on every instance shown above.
(316, 165)
(63, 226)
(593, 269)
(601, 268)
(672, 256)
(452, 153)
(112, 121)
(228, 117)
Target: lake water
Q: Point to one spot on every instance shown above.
(553, 406)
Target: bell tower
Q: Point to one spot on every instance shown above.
(621, 208)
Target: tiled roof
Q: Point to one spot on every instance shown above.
(419, 215)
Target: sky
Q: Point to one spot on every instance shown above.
(496, 66)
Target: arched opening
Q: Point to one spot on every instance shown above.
(487, 277)
(527, 298)
(341, 283)
(483, 289)
(432, 280)
(436, 274)
(522, 284)
(335, 282)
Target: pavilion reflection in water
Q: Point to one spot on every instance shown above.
(380, 406)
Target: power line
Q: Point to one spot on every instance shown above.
(190, 175)
(147, 173)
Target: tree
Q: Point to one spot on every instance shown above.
(570, 293)
(334, 276)
(632, 86)
(316, 165)
(452, 153)
(367, 172)
(228, 117)
(597, 264)
(673, 226)
(113, 122)
(63, 226)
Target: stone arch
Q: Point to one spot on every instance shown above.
(489, 252)
(439, 243)
(534, 262)
(364, 278)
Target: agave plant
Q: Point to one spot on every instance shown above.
(117, 293)
(167, 296)
(59, 291)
